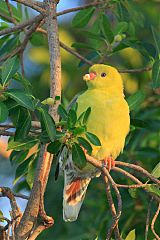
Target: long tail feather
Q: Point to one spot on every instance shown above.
(73, 196)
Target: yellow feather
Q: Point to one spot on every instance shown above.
(109, 119)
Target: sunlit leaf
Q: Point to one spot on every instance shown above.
(22, 145)
(156, 171)
(131, 235)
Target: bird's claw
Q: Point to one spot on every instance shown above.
(109, 163)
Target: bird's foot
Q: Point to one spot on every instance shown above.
(109, 163)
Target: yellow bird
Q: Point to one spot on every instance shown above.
(109, 121)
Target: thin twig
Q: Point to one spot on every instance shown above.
(136, 180)
(31, 4)
(119, 200)
(153, 222)
(143, 185)
(136, 70)
(112, 207)
(148, 219)
(21, 26)
(6, 17)
(92, 4)
(138, 169)
(10, 11)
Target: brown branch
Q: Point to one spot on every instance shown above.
(23, 45)
(112, 207)
(16, 213)
(119, 200)
(76, 54)
(31, 4)
(45, 159)
(153, 222)
(136, 70)
(136, 180)
(143, 185)
(21, 26)
(148, 219)
(10, 11)
(6, 17)
(81, 7)
(138, 169)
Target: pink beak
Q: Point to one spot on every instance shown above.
(89, 76)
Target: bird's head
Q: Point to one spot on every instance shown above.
(105, 77)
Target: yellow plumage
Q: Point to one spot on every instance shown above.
(109, 119)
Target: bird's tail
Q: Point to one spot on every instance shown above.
(73, 196)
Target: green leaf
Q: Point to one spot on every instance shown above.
(135, 100)
(106, 28)
(4, 10)
(131, 235)
(93, 139)
(72, 118)
(82, 17)
(3, 112)
(156, 38)
(20, 97)
(91, 56)
(62, 112)
(120, 28)
(9, 68)
(82, 45)
(78, 156)
(93, 35)
(48, 123)
(18, 77)
(9, 45)
(22, 145)
(18, 157)
(156, 74)
(139, 123)
(156, 171)
(54, 147)
(23, 124)
(22, 169)
(154, 189)
(133, 192)
(86, 115)
(31, 170)
(82, 141)
(1, 216)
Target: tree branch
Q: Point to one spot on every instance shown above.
(153, 222)
(21, 26)
(32, 4)
(45, 159)
(112, 207)
(94, 4)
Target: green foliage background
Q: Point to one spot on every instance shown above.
(125, 35)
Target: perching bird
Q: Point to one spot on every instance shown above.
(109, 121)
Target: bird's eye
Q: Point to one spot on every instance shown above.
(103, 74)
